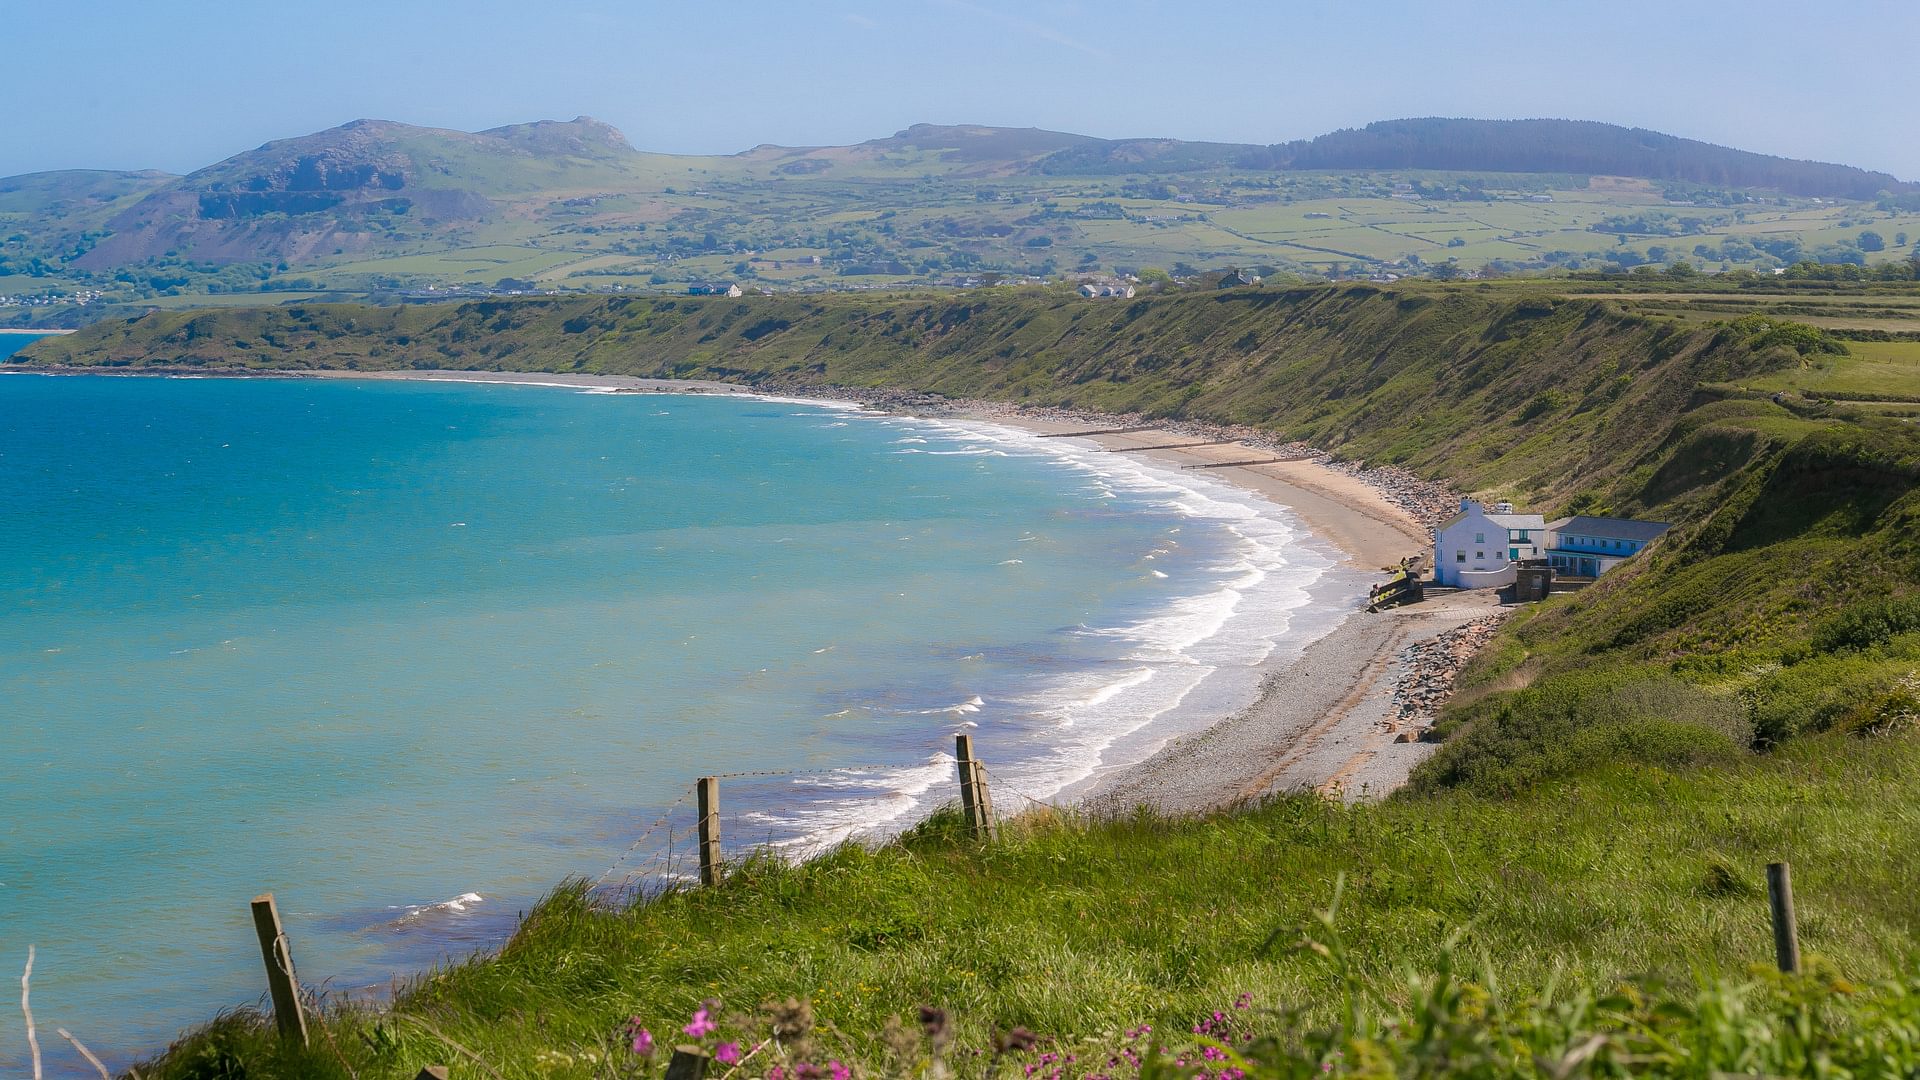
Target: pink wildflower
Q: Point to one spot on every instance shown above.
(777, 1073)
(838, 1071)
(643, 1042)
(727, 1053)
(701, 1026)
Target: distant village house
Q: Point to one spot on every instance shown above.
(1237, 277)
(1107, 288)
(713, 288)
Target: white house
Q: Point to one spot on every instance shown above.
(1107, 288)
(1583, 546)
(1475, 549)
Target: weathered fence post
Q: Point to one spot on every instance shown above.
(687, 1063)
(288, 1015)
(969, 778)
(976, 802)
(1786, 933)
(983, 798)
(708, 792)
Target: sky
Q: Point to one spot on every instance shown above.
(179, 84)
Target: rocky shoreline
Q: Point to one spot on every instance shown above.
(1430, 668)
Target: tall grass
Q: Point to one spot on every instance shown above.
(1522, 916)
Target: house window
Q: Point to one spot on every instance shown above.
(1460, 555)
(1478, 555)
(1479, 538)
(1522, 536)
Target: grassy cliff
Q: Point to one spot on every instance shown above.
(1618, 764)
(1531, 396)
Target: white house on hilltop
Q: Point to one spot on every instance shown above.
(1475, 549)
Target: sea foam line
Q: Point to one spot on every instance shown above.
(1054, 739)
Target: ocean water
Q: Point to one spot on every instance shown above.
(408, 654)
(13, 343)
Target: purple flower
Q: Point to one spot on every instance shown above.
(1244, 1001)
(777, 1073)
(838, 1071)
(702, 1025)
(643, 1042)
(727, 1053)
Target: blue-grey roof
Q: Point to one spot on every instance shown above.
(1612, 528)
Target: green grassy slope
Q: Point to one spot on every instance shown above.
(1532, 396)
(1079, 931)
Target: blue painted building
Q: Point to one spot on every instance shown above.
(1582, 546)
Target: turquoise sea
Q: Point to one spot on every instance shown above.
(407, 654)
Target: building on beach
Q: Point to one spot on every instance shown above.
(1477, 548)
(1481, 548)
(1582, 546)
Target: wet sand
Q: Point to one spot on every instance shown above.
(1325, 720)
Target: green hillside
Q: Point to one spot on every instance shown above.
(1578, 866)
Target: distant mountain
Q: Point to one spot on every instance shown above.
(966, 150)
(376, 206)
(1566, 146)
(341, 190)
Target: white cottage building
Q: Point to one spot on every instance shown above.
(1476, 549)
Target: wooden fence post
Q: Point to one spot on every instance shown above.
(969, 781)
(708, 792)
(983, 798)
(687, 1063)
(1786, 933)
(976, 804)
(288, 1015)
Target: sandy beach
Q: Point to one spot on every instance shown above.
(1328, 719)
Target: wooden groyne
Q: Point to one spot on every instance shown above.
(1171, 446)
(1248, 461)
(1099, 431)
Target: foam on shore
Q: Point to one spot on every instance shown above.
(1197, 659)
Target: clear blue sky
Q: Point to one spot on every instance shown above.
(177, 84)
